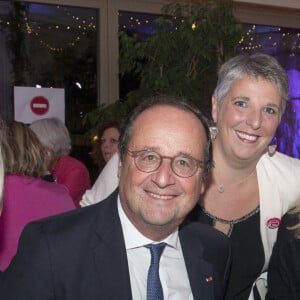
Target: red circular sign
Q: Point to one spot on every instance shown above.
(39, 105)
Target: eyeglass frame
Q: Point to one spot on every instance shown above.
(135, 155)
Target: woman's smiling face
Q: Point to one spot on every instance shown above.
(247, 117)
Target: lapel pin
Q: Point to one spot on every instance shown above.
(208, 279)
(273, 223)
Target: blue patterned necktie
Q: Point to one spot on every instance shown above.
(154, 289)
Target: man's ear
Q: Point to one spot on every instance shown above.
(214, 108)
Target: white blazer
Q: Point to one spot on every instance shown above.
(279, 190)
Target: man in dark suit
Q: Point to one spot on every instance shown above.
(102, 251)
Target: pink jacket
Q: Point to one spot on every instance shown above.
(74, 175)
(26, 199)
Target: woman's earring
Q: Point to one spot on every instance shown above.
(213, 132)
(272, 146)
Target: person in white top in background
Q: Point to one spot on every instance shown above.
(104, 153)
(105, 184)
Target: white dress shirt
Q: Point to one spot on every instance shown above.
(172, 270)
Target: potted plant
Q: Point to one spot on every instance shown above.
(180, 58)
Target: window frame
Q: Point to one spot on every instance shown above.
(107, 66)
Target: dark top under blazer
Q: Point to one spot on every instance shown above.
(81, 255)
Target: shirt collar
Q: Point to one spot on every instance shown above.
(134, 238)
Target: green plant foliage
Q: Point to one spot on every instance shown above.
(182, 56)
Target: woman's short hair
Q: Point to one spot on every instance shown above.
(257, 65)
(54, 135)
(22, 151)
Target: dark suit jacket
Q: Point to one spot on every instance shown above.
(81, 255)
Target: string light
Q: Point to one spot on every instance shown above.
(253, 38)
(258, 37)
(74, 31)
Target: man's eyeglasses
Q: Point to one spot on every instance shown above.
(149, 161)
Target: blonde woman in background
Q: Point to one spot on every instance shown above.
(26, 197)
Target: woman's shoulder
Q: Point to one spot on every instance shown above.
(279, 158)
(280, 162)
(45, 187)
(68, 162)
(278, 178)
(33, 188)
(67, 159)
(19, 182)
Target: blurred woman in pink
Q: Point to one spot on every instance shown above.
(26, 197)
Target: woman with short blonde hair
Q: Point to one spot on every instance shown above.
(26, 197)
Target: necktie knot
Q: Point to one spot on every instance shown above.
(156, 251)
(154, 289)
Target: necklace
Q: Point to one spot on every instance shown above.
(221, 187)
(231, 223)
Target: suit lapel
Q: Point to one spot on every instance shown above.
(200, 271)
(110, 253)
(111, 263)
